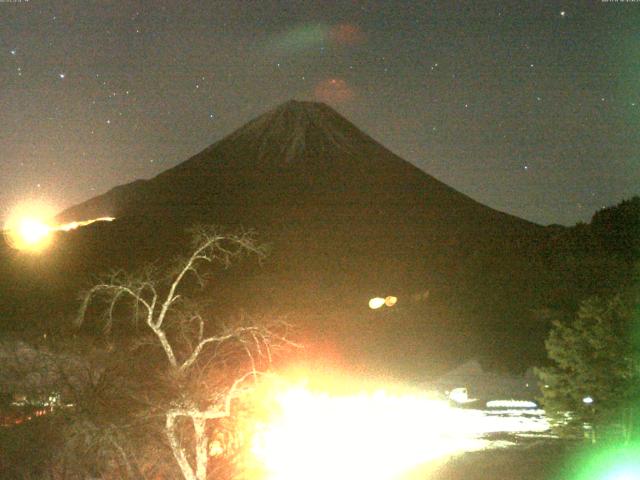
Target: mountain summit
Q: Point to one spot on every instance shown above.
(347, 220)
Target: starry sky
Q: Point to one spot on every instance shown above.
(530, 107)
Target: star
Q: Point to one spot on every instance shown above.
(401, 74)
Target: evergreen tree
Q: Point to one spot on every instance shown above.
(595, 373)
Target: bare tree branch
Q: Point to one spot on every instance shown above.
(184, 335)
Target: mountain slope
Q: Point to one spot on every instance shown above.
(296, 151)
(347, 220)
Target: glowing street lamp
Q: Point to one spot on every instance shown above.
(30, 234)
(390, 301)
(376, 302)
(32, 231)
(28, 229)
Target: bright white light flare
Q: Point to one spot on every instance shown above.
(28, 226)
(374, 436)
(32, 231)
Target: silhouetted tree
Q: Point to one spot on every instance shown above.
(595, 375)
(206, 365)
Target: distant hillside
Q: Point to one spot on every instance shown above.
(598, 258)
(346, 220)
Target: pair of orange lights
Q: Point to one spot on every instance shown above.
(379, 302)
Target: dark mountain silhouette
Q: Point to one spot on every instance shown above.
(601, 257)
(346, 220)
(299, 155)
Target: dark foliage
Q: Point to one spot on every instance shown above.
(595, 375)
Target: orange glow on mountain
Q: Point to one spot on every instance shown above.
(31, 225)
(333, 90)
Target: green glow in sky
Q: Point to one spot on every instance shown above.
(302, 38)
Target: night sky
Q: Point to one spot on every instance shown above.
(528, 107)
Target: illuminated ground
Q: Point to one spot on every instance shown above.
(535, 459)
(383, 436)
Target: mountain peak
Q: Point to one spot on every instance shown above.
(293, 127)
(294, 105)
(304, 108)
(301, 111)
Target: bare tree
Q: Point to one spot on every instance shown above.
(189, 341)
